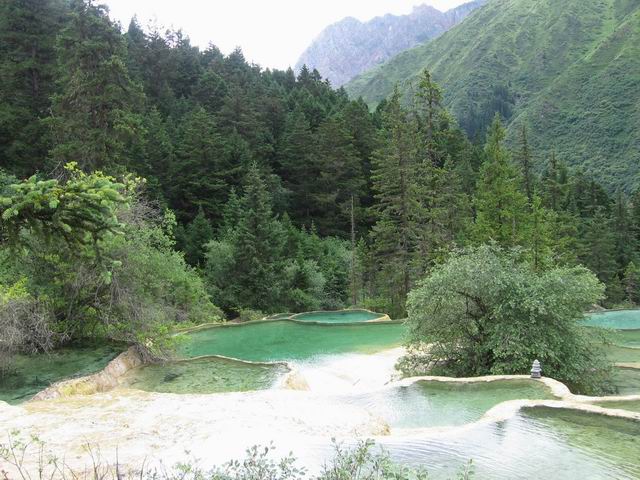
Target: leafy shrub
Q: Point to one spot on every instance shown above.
(484, 312)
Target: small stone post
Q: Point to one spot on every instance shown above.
(536, 369)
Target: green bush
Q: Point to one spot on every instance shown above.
(485, 312)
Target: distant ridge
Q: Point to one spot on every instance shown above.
(349, 47)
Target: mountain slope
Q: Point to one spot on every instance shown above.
(350, 47)
(568, 70)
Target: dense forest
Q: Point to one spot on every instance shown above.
(145, 178)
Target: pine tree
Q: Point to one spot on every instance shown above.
(395, 233)
(197, 234)
(632, 283)
(526, 167)
(28, 29)
(501, 208)
(539, 237)
(340, 177)
(626, 244)
(96, 114)
(598, 252)
(297, 165)
(198, 176)
(258, 244)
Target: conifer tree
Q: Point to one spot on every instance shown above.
(340, 177)
(198, 176)
(598, 251)
(28, 29)
(395, 233)
(95, 116)
(197, 234)
(525, 163)
(258, 244)
(626, 243)
(632, 283)
(500, 206)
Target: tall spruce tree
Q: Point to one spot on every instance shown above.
(28, 29)
(258, 244)
(95, 116)
(198, 175)
(395, 233)
(501, 208)
(525, 162)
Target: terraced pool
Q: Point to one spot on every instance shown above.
(549, 443)
(32, 374)
(283, 340)
(204, 375)
(340, 316)
(433, 403)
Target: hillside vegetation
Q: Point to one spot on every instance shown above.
(350, 47)
(569, 71)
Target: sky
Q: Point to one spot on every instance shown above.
(271, 33)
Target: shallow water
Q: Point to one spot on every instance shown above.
(433, 404)
(630, 405)
(284, 340)
(619, 354)
(618, 320)
(343, 316)
(204, 375)
(626, 338)
(34, 373)
(627, 381)
(537, 443)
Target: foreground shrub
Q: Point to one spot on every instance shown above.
(362, 462)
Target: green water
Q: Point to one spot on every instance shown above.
(626, 338)
(630, 405)
(348, 316)
(284, 340)
(618, 320)
(627, 381)
(539, 443)
(205, 375)
(619, 354)
(32, 374)
(435, 404)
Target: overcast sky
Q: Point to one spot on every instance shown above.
(271, 33)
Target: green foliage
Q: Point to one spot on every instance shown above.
(569, 71)
(264, 263)
(501, 208)
(95, 261)
(95, 113)
(485, 312)
(28, 32)
(363, 461)
(195, 238)
(80, 210)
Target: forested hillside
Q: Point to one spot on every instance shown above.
(569, 71)
(146, 182)
(350, 47)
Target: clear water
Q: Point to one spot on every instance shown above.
(630, 405)
(285, 340)
(618, 320)
(627, 381)
(626, 338)
(435, 404)
(348, 316)
(619, 354)
(554, 444)
(205, 375)
(33, 373)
